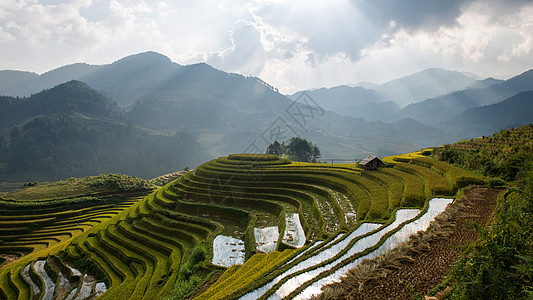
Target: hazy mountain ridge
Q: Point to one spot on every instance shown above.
(9, 79)
(422, 85)
(440, 109)
(133, 76)
(357, 102)
(481, 84)
(32, 83)
(384, 101)
(487, 120)
(228, 113)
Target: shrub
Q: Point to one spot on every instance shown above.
(496, 182)
(86, 263)
(197, 261)
(183, 288)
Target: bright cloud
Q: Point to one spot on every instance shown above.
(290, 44)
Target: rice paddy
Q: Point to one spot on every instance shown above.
(280, 229)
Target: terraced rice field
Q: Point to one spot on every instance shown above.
(314, 220)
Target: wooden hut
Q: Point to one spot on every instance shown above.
(372, 162)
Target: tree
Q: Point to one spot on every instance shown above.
(315, 154)
(300, 148)
(275, 148)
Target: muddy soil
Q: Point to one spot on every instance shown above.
(429, 268)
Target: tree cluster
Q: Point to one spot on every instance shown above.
(298, 149)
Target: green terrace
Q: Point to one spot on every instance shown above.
(164, 243)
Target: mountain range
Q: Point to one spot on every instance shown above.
(440, 110)
(213, 113)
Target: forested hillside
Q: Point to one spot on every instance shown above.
(73, 130)
(64, 99)
(48, 148)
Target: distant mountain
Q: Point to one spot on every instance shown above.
(437, 110)
(336, 98)
(64, 99)
(485, 83)
(200, 96)
(486, 120)
(423, 85)
(10, 79)
(364, 84)
(133, 76)
(372, 111)
(32, 83)
(230, 113)
(382, 102)
(73, 130)
(357, 102)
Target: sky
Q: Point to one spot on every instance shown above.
(293, 45)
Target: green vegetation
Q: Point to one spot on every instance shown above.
(78, 187)
(72, 130)
(52, 148)
(236, 278)
(42, 219)
(298, 149)
(499, 265)
(162, 245)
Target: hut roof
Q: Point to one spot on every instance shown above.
(368, 159)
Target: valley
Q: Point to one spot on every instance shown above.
(253, 225)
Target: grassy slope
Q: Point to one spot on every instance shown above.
(77, 187)
(500, 264)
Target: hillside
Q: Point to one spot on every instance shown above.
(52, 148)
(277, 215)
(231, 113)
(73, 130)
(39, 218)
(64, 99)
(226, 119)
(487, 120)
(440, 109)
(499, 263)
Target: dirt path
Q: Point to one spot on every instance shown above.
(429, 268)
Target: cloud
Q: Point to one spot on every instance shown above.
(290, 44)
(350, 27)
(247, 53)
